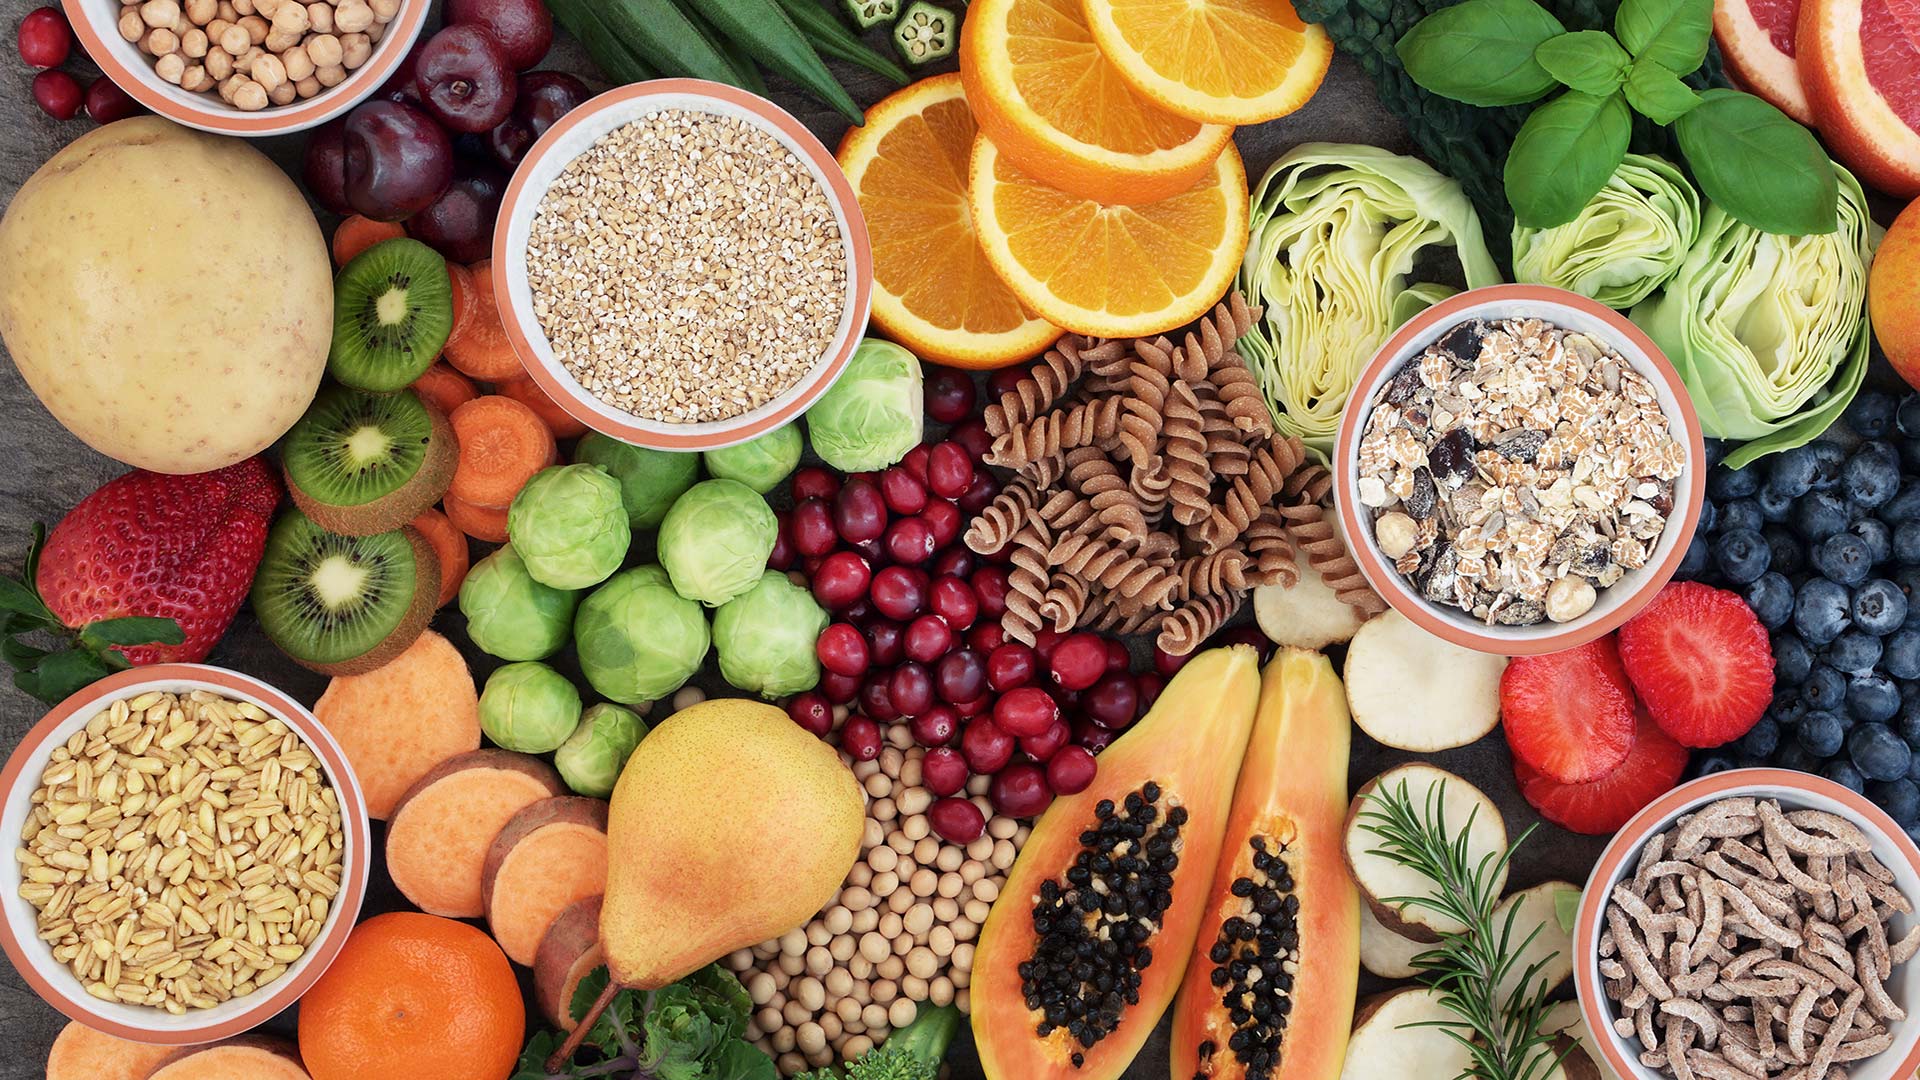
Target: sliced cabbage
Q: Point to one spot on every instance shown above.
(1769, 332)
(1336, 231)
(1627, 242)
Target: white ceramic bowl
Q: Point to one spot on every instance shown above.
(572, 136)
(96, 23)
(1795, 791)
(61, 989)
(1614, 605)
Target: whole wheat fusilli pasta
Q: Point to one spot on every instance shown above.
(1151, 486)
(1196, 620)
(1065, 599)
(1184, 446)
(1130, 580)
(1027, 578)
(1091, 423)
(1046, 382)
(1272, 552)
(1327, 553)
(1098, 480)
(1265, 480)
(994, 526)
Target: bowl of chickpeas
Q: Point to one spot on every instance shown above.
(249, 67)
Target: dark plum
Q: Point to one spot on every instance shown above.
(545, 97)
(521, 28)
(459, 224)
(465, 80)
(397, 160)
(324, 167)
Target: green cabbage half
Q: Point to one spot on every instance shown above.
(1336, 231)
(1769, 332)
(1627, 242)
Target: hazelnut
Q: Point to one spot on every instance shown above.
(1396, 533)
(1568, 598)
(320, 18)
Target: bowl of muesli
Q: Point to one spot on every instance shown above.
(1517, 470)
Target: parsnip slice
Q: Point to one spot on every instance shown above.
(1306, 614)
(1380, 877)
(1413, 691)
(1384, 952)
(1390, 1039)
(1551, 946)
(1585, 1062)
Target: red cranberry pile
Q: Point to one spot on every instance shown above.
(46, 41)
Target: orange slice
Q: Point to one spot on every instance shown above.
(1108, 269)
(1221, 61)
(1052, 102)
(933, 289)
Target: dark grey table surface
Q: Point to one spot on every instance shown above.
(48, 470)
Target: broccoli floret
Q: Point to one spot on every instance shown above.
(912, 1053)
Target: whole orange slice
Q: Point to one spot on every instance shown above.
(1053, 103)
(1108, 269)
(933, 289)
(1221, 61)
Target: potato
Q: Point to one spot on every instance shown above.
(167, 294)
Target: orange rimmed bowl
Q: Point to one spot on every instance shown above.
(1613, 606)
(1795, 791)
(96, 24)
(54, 982)
(571, 137)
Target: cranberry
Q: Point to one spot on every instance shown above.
(813, 482)
(899, 592)
(1010, 666)
(107, 103)
(58, 94)
(956, 561)
(1044, 745)
(886, 641)
(1045, 640)
(1079, 661)
(956, 820)
(812, 526)
(986, 637)
(904, 492)
(876, 702)
(960, 676)
(1113, 702)
(943, 771)
(1167, 664)
(979, 706)
(909, 541)
(841, 580)
(873, 551)
(944, 519)
(1117, 656)
(952, 600)
(812, 711)
(1070, 771)
(990, 588)
(979, 494)
(783, 555)
(1148, 686)
(842, 650)
(840, 689)
(1020, 791)
(860, 738)
(1003, 381)
(465, 80)
(950, 395)
(915, 462)
(1025, 710)
(949, 470)
(523, 28)
(986, 746)
(928, 639)
(859, 513)
(936, 727)
(46, 39)
(910, 688)
(1249, 634)
(973, 435)
(1092, 736)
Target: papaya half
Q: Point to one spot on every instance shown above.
(1084, 951)
(1269, 990)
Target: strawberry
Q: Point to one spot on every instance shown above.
(1569, 714)
(1700, 660)
(1653, 766)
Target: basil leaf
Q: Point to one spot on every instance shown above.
(1671, 33)
(133, 630)
(1755, 163)
(1658, 94)
(1589, 61)
(1564, 155)
(1481, 51)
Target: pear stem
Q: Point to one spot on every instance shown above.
(579, 1033)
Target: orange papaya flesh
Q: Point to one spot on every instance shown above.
(1148, 831)
(1269, 991)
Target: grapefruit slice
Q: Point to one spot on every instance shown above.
(1757, 40)
(1858, 61)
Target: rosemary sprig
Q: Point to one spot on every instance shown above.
(1503, 1038)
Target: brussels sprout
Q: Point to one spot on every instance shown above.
(569, 526)
(591, 758)
(512, 616)
(529, 707)
(871, 415)
(765, 637)
(758, 463)
(650, 480)
(716, 539)
(638, 639)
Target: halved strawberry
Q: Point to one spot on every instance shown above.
(1653, 766)
(1701, 661)
(1569, 714)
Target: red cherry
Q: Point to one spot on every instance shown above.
(987, 748)
(910, 688)
(812, 711)
(859, 513)
(1025, 710)
(957, 821)
(949, 394)
(928, 639)
(107, 103)
(960, 676)
(915, 462)
(1113, 702)
(1043, 746)
(1092, 736)
(860, 738)
(1167, 664)
(1020, 791)
(841, 580)
(944, 771)
(936, 727)
(57, 94)
(886, 640)
(904, 492)
(949, 470)
(952, 600)
(46, 40)
(990, 588)
(909, 541)
(811, 524)
(1079, 661)
(1071, 771)
(840, 689)
(973, 435)
(986, 637)
(955, 561)
(876, 702)
(980, 493)
(842, 650)
(1011, 665)
(899, 592)
(1117, 656)
(944, 519)
(813, 482)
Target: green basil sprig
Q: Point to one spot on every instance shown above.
(1589, 61)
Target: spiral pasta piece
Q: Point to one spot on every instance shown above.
(1219, 572)
(1145, 412)
(1105, 618)
(1046, 382)
(1196, 620)
(1271, 551)
(995, 525)
(1240, 393)
(1151, 487)
(1064, 601)
(1027, 579)
(1327, 553)
(1267, 471)
(1227, 455)
(1098, 480)
(1092, 423)
(1185, 449)
(1130, 581)
(1310, 483)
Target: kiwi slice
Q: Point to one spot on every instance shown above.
(360, 463)
(344, 605)
(392, 312)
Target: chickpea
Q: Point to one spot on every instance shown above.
(266, 8)
(227, 12)
(356, 50)
(202, 12)
(270, 73)
(290, 18)
(256, 28)
(331, 76)
(320, 18)
(219, 65)
(227, 86)
(235, 40)
(244, 7)
(194, 43)
(158, 13)
(278, 42)
(132, 26)
(195, 79)
(307, 87)
(244, 62)
(171, 67)
(351, 17)
(163, 42)
(249, 96)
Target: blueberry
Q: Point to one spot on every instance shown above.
(1716, 451)
(1900, 798)
(1741, 555)
(1879, 538)
(1844, 774)
(1739, 514)
(1879, 607)
(1771, 598)
(1821, 734)
(1878, 753)
(1789, 555)
(1821, 610)
(1910, 722)
(1825, 689)
(1708, 764)
(1854, 652)
(1761, 739)
(1827, 459)
(1872, 698)
(1695, 561)
(1818, 515)
(1907, 417)
(1773, 505)
(1789, 713)
(1870, 414)
(1709, 515)
(1872, 475)
(1724, 483)
(1906, 543)
(1792, 660)
(1902, 655)
(1792, 471)
(1904, 506)
(1793, 756)
(1844, 558)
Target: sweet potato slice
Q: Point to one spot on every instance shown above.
(249, 1057)
(553, 853)
(403, 718)
(440, 830)
(81, 1053)
(569, 951)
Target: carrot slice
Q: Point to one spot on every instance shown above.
(356, 234)
(502, 444)
(568, 953)
(249, 1057)
(81, 1053)
(399, 720)
(483, 523)
(463, 287)
(552, 854)
(527, 392)
(482, 349)
(451, 545)
(440, 832)
(444, 387)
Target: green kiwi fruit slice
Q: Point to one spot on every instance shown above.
(360, 463)
(344, 605)
(392, 312)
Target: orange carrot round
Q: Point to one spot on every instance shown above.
(481, 348)
(484, 523)
(450, 544)
(356, 234)
(399, 720)
(527, 392)
(442, 386)
(502, 444)
(462, 279)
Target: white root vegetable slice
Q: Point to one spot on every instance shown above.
(1385, 953)
(1413, 691)
(1584, 1061)
(1307, 614)
(1390, 1039)
(1381, 877)
(1551, 946)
